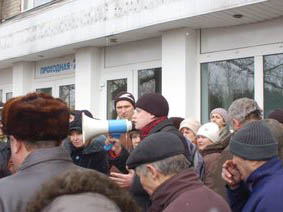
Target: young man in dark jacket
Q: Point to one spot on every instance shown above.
(254, 175)
(168, 178)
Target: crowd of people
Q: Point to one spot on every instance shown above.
(231, 163)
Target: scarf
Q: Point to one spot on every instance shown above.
(145, 131)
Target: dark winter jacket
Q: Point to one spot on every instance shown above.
(262, 192)
(93, 156)
(185, 192)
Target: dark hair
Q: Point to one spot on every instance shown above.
(81, 181)
(134, 132)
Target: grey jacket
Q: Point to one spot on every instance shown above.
(38, 167)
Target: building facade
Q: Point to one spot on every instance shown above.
(199, 54)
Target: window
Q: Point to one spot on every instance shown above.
(113, 88)
(67, 94)
(9, 95)
(29, 4)
(44, 90)
(1, 95)
(224, 81)
(273, 82)
(149, 80)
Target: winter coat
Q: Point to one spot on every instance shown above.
(262, 192)
(223, 147)
(185, 192)
(211, 155)
(38, 167)
(93, 156)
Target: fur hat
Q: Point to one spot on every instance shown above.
(209, 130)
(191, 124)
(155, 147)
(222, 112)
(36, 117)
(242, 107)
(254, 142)
(153, 103)
(126, 96)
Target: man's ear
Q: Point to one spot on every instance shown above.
(15, 144)
(152, 171)
(236, 124)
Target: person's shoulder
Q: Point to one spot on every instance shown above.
(189, 201)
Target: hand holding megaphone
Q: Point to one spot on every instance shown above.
(93, 127)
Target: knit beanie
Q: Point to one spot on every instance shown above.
(277, 115)
(153, 103)
(155, 147)
(209, 130)
(191, 124)
(126, 96)
(222, 112)
(254, 142)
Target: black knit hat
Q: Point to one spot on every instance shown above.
(154, 148)
(126, 96)
(277, 115)
(153, 103)
(254, 142)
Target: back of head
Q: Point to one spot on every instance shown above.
(36, 117)
(241, 108)
(176, 121)
(254, 142)
(153, 103)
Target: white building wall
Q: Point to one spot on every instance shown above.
(6, 82)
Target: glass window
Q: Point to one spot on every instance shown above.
(224, 81)
(273, 82)
(113, 88)
(40, 2)
(9, 95)
(149, 80)
(67, 94)
(44, 90)
(29, 4)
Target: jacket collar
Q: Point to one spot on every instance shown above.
(267, 169)
(45, 154)
(173, 187)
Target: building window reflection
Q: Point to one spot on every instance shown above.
(224, 81)
(273, 82)
(149, 81)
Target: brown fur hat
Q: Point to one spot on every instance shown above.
(35, 117)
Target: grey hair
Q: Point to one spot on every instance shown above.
(168, 166)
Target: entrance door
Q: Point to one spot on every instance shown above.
(112, 84)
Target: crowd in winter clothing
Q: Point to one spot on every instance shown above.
(231, 163)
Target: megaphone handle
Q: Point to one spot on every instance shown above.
(108, 147)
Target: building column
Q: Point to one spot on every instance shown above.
(22, 78)
(87, 79)
(180, 84)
